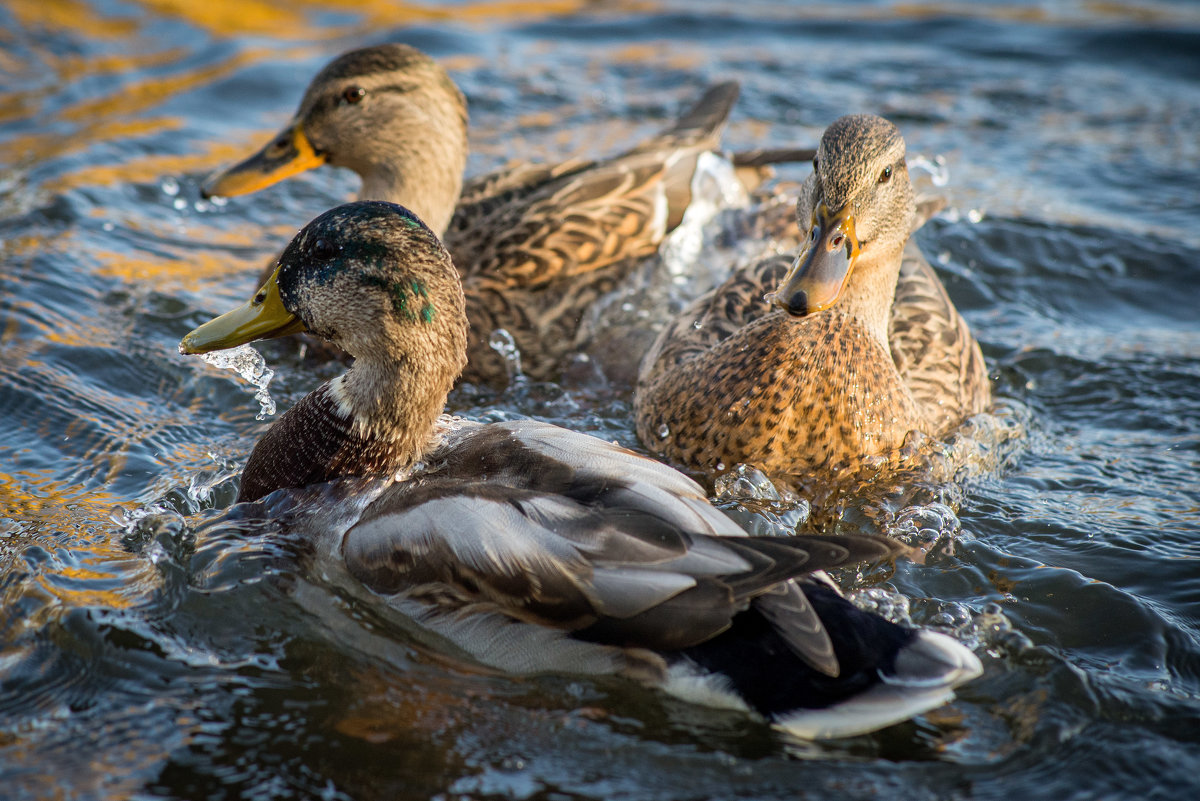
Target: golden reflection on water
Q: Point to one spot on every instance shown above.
(70, 15)
(112, 117)
(287, 19)
(39, 497)
(209, 271)
(150, 168)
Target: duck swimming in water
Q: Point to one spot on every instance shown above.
(829, 361)
(533, 548)
(536, 244)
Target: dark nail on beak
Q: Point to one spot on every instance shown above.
(798, 304)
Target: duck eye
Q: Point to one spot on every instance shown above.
(353, 94)
(323, 251)
(886, 175)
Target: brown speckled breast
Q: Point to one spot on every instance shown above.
(731, 380)
(790, 395)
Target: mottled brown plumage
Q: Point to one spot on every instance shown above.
(535, 244)
(847, 358)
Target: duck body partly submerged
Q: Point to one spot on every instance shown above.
(831, 360)
(536, 245)
(532, 548)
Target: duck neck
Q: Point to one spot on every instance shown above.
(394, 402)
(871, 291)
(428, 184)
(422, 170)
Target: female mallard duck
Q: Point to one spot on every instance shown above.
(857, 345)
(534, 548)
(536, 244)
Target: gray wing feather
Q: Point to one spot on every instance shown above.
(797, 622)
(564, 530)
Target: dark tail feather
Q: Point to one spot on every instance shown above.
(761, 157)
(753, 167)
(708, 113)
(773, 679)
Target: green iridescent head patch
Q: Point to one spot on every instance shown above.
(410, 299)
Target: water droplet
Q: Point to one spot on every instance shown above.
(664, 431)
(698, 324)
(199, 491)
(170, 186)
(503, 343)
(939, 171)
(252, 367)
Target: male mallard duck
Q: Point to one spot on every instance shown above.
(536, 244)
(534, 548)
(857, 345)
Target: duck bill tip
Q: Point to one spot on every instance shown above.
(287, 154)
(263, 317)
(821, 271)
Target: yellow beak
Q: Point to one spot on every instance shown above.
(263, 317)
(288, 153)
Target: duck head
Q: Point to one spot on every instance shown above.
(374, 280)
(391, 114)
(857, 208)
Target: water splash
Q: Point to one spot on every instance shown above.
(938, 169)
(886, 603)
(503, 343)
(252, 367)
(924, 526)
(762, 507)
(711, 239)
(715, 188)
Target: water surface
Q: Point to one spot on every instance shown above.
(149, 647)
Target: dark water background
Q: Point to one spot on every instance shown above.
(147, 649)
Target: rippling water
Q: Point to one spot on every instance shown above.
(152, 648)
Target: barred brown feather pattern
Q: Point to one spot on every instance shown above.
(934, 351)
(597, 218)
(314, 442)
(790, 395)
(544, 335)
(485, 194)
(715, 316)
